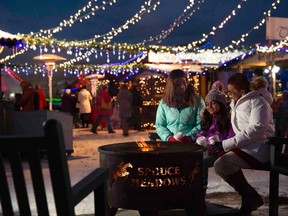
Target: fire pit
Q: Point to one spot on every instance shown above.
(154, 175)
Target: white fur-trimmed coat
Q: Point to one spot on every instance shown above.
(252, 122)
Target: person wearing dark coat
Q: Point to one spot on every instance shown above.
(124, 101)
(26, 101)
(137, 103)
(67, 103)
(39, 98)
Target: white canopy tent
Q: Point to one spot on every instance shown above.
(6, 35)
(10, 84)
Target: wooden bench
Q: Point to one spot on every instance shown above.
(16, 149)
(278, 163)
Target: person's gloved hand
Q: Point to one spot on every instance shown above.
(217, 147)
(186, 139)
(172, 139)
(178, 136)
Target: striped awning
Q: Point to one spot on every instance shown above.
(7, 39)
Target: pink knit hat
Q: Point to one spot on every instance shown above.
(217, 93)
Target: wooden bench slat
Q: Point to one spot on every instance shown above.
(4, 190)
(19, 182)
(38, 182)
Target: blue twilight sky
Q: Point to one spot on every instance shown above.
(33, 15)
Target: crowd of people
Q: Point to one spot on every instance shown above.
(32, 98)
(128, 103)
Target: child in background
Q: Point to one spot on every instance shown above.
(215, 125)
(260, 84)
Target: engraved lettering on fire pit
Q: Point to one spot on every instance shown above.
(163, 176)
(194, 173)
(121, 171)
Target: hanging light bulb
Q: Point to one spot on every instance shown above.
(275, 69)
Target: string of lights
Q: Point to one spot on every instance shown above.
(177, 22)
(220, 26)
(273, 48)
(73, 19)
(92, 47)
(115, 31)
(38, 38)
(259, 24)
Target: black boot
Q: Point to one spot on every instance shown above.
(251, 200)
(110, 130)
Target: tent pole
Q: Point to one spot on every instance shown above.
(2, 117)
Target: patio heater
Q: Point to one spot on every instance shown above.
(94, 80)
(50, 61)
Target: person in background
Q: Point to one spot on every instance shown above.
(66, 102)
(283, 105)
(215, 122)
(84, 99)
(252, 123)
(260, 85)
(258, 72)
(178, 114)
(26, 101)
(103, 97)
(124, 101)
(137, 103)
(75, 109)
(40, 98)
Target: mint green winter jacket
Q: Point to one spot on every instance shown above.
(170, 120)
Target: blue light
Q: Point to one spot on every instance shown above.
(19, 44)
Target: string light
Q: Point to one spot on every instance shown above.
(73, 18)
(116, 31)
(220, 26)
(260, 23)
(177, 22)
(273, 47)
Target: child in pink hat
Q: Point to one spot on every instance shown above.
(215, 125)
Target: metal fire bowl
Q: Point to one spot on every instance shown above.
(166, 175)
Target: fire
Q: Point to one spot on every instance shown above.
(143, 146)
(146, 147)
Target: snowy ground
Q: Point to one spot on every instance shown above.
(86, 158)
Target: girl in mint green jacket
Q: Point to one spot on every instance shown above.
(178, 114)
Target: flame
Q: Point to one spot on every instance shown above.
(143, 146)
(147, 147)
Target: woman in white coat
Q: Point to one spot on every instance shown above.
(84, 100)
(252, 122)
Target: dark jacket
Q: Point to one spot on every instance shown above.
(67, 103)
(137, 100)
(26, 101)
